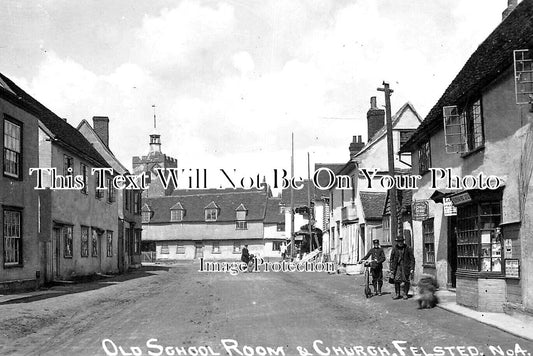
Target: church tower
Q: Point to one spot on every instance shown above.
(155, 159)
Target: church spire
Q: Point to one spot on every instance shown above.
(155, 138)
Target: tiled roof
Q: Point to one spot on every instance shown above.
(373, 204)
(62, 131)
(488, 61)
(194, 203)
(273, 214)
(299, 196)
(404, 200)
(323, 177)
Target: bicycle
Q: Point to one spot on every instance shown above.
(368, 291)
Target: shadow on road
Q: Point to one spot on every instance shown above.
(83, 285)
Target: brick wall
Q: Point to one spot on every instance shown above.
(491, 295)
(467, 292)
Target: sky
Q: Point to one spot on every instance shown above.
(232, 79)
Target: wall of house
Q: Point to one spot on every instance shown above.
(272, 234)
(226, 248)
(201, 231)
(78, 209)
(21, 194)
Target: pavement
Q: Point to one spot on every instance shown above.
(512, 325)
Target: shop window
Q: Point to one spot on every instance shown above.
(429, 242)
(12, 237)
(424, 158)
(84, 241)
(478, 246)
(12, 148)
(216, 247)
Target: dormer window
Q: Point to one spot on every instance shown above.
(240, 218)
(146, 214)
(211, 212)
(177, 212)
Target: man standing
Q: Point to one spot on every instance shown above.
(402, 266)
(376, 266)
(283, 250)
(245, 255)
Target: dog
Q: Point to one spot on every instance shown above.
(427, 286)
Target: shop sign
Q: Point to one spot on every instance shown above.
(420, 210)
(461, 198)
(508, 248)
(449, 208)
(512, 268)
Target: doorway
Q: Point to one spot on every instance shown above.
(56, 253)
(199, 250)
(452, 250)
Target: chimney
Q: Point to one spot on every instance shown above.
(101, 127)
(375, 118)
(511, 4)
(356, 146)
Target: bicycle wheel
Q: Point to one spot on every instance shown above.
(368, 292)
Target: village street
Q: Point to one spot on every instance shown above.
(181, 307)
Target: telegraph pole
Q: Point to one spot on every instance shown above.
(292, 196)
(390, 156)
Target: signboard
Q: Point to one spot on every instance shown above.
(512, 268)
(508, 248)
(461, 198)
(420, 210)
(449, 208)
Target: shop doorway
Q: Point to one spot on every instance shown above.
(452, 250)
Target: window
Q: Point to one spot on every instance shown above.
(146, 216)
(180, 248)
(386, 230)
(176, 215)
(83, 172)
(463, 131)
(84, 241)
(129, 240)
(424, 158)
(137, 202)
(276, 245)
(164, 248)
(94, 243)
(405, 135)
(236, 247)
(429, 242)
(67, 241)
(127, 200)
(98, 193)
(68, 165)
(241, 225)
(12, 237)
(137, 242)
(474, 126)
(211, 214)
(478, 246)
(109, 243)
(523, 67)
(110, 190)
(216, 247)
(12, 148)
(280, 227)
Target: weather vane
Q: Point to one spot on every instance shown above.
(155, 125)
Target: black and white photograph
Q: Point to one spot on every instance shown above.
(266, 177)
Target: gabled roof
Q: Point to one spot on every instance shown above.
(177, 206)
(241, 208)
(102, 148)
(195, 203)
(489, 60)
(146, 207)
(64, 134)
(373, 204)
(273, 214)
(382, 132)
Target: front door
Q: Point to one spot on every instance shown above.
(452, 249)
(199, 250)
(56, 252)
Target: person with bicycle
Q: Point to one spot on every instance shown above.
(376, 265)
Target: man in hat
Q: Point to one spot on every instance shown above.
(376, 266)
(402, 266)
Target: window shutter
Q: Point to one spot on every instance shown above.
(454, 130)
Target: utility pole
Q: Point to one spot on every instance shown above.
(292, 197)
(390, 156)
(309, 222)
